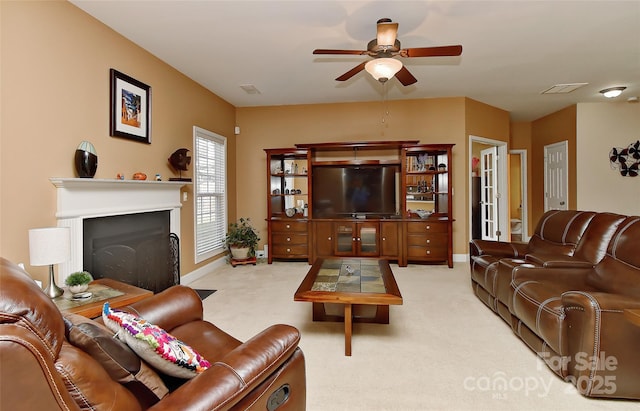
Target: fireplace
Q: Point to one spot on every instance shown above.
(136, 249)
(84, 202)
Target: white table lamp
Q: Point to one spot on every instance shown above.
(49, 246)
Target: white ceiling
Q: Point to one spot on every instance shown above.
(512, 50)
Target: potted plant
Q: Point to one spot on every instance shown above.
(78, 282)
(242, 239)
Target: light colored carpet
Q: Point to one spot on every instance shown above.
(443, 349)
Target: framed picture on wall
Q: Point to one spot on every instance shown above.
(130, 109)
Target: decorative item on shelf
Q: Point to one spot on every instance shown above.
(180, 161)
(78, 282)
(242, 239)
(49, 246)
(276, 192)
(442, 167)
(626, 160)
(120, 176)
(86, 160)
(139, 176)
(290, 212)
(158, 177)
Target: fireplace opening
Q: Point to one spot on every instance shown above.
(136, 249)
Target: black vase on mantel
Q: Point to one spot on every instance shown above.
(86, 160)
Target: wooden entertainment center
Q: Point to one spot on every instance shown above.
(385, 199)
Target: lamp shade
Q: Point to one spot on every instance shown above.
(49, 245)
(383, 69)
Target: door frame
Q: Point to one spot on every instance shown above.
(524, 181)
(503, 185)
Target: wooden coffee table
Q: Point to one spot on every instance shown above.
(355, 283)
(117, 293)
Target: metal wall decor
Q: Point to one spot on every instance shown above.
(626, 160)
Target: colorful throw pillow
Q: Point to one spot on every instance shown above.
(120, 362)
(160, 349)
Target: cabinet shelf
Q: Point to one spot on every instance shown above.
(425, 173)
(289, 175)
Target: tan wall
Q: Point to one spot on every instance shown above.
(602, 126)
(55, 93)
(550, 129)
(521, 140)
(429, 121)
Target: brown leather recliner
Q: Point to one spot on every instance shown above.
(574, 318)
(41, 370)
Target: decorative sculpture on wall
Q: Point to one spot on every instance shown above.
(626, 160)
(179, 160)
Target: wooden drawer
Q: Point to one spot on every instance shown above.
(288, 238)
(433, 240)
(294, 251)
(289, 226)
(427, 253)
(426, 227)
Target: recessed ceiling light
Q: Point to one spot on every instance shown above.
(612, 92)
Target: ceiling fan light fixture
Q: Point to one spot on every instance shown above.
(387, 32)
(612, 92)
(383, 69)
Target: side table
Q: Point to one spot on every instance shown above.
(117, 293)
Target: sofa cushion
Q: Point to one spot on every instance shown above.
(619, 270)
(156, 346)
(122, 364)
(89, 384)
(559, 231)
(597, 236)
(539, 307)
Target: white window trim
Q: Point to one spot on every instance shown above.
(200, 132)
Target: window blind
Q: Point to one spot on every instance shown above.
(210, 193)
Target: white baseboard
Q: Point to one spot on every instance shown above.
(202, 271)
(460, 258)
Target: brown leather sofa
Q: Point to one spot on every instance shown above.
(41, 370)
(564, 294)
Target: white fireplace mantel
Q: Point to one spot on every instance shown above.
(82, 198)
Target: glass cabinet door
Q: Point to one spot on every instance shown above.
(344, 238)
(368, 238)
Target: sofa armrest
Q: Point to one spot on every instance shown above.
(602, 344)
(557, 260)
(574, 279)
(170, 308)
(497, 248)
(229, 380)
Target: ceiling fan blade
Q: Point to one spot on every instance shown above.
(432, 51)
(405, 77)
(357, 69)
(387, 33)
(329, 51)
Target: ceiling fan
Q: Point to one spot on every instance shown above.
(383, 49)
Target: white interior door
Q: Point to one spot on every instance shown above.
(489, 193)
(556, 176)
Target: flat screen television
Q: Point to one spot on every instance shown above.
(355, 190)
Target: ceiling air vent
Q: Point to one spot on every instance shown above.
(250, 89)
(563, 88)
